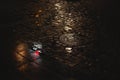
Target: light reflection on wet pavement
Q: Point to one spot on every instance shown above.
(64, 29)
(32, 68)
(43, 67)
(67, 32)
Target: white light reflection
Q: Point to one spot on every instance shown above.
(35, 54)
(67, 28)
(57, 6)
(68, 39)
(37, 46)
(68, 49)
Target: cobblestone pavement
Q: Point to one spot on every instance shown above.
(58, 40)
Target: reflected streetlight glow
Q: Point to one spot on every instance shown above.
(20, 54)
(67, 28)
(27, 58)
(68, 49)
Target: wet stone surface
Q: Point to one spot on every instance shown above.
(67, 32)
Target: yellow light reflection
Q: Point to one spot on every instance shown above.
(23, 67)
(20, 54)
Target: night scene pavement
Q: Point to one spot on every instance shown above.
(59, 40)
